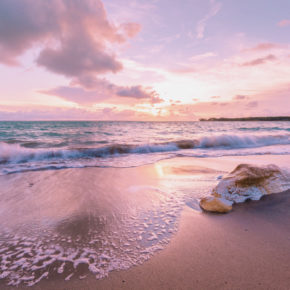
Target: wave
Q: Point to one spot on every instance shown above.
(15, 153)
(243, 141)
(263, 129)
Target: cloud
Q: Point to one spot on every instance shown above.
(239, 97)
(138, 92)
(252, 104)
(261, 60)
(283, 23)
(77, 95)
(106, 113)
(247, 105)
(187, 67)
(263, 46)
(92, 91)
(131, 29)
(22, 24)
(52, 113)
(214, 9)
(203, 56)
(75, 39)
(214, 109)
(260, 104)
(74, 60)
(183, 69)
(76, 36)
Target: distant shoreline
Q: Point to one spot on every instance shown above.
(247, 119)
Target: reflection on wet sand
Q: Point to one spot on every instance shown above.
(74, 222)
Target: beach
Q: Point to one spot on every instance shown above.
(236, 251)
(144, 145)
(247, 248)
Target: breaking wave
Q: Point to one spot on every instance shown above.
(17, 154)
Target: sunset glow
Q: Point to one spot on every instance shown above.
(143, 60)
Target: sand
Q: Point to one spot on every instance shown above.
(248, 248)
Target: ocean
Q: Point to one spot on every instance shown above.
(112, 206)
(27, 146)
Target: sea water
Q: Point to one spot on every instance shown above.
(28, 146)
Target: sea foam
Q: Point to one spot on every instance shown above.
(15, 158)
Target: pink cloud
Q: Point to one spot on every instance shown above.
(263, 46)
(252, 104)
(78, 95)
(77, 41)
(131, 29)
(138, 92)
(239, 97)
(182, 69)
(52, 113)
(74, 60)
(213, 109)
(214, 9)
(261, 60)
(283, 23)
(77, 35)
(92, 91)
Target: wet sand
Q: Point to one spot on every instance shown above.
(248, 248)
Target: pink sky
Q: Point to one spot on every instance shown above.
(143, 60)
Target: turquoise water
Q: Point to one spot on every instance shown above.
(58, 144)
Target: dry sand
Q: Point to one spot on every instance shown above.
(248, 248)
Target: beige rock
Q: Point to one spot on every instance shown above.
(247, 175)
(214, 193)
(215, 204)
(248, 181)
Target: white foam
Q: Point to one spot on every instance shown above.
(14, 158)
(128, 243)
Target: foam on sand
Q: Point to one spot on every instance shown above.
(72, 223)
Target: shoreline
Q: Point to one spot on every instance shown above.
(211, 251)
(208, 251)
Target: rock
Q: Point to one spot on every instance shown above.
(216, 204)
(245, 182)
(248, 175)
(251, 182)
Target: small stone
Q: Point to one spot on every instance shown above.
(216, 204)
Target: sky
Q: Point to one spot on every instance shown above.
(153, 60)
